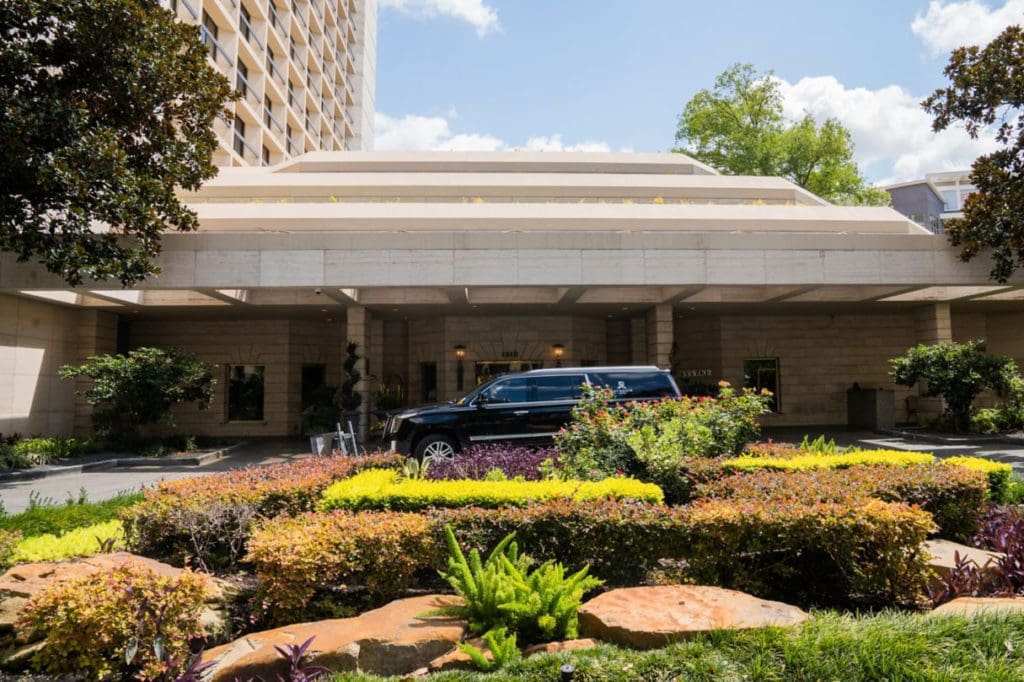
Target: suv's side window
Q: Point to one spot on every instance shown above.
(507, 391)
(634, 384)
(567, 387)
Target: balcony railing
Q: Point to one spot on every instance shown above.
(214, 45)
(271, 121)
(275, 18)
(302, 19)
(173, 4)
(250, 33)
(245, 147)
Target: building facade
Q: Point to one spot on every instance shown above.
(447, 268)
(935, 198)
(304, 71)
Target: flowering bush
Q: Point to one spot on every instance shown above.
(382, 489)
(954, 496)
(479, 460)
(8, 541)
(91, 625)
(649, 439)
(207, 518)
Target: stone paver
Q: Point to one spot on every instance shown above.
(104, 483)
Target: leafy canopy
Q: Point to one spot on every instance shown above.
(738, 127)
(106, 108)
(986, 88)
(141, 387)
(958, 372)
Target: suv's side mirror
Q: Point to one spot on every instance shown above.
(481, 400)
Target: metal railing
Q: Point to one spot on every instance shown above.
(245, 146)
(216, 48)
(250, 33)
(296, 12)
(271, 121)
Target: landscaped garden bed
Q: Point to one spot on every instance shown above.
(475, 562)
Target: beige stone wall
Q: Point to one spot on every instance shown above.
(35, 340)
(281, 346)
(820, 357)
(697, 355)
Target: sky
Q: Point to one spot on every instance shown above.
(613, 75)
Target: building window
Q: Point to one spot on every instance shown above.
(949, 196)
(212, 31)
(242, 78)
(245, 392)
(266, 156)
(245, 23)
(763, 373)
(239, 137)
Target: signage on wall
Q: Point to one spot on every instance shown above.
(695, 373)
(509, 354)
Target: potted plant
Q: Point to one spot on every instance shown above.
(347, 398)
(319, 419)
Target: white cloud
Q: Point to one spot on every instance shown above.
(893, 134)
(474, 12)
(422, 133)
(949, 25)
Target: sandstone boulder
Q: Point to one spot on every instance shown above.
(650, 617)
(21, 582)
(970, 606)
(942, 558)
(560, 647)
(396, 639)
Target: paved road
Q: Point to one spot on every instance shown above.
(1011, 453)
(101, 484)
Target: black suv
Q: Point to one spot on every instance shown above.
(529, 407)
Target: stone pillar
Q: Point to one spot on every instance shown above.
(638, 341)
(660, 335)
(97, 335)
(932, 324)
(358, 324)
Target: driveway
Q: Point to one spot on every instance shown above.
(103, 483)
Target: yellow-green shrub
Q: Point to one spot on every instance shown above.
(78, 542)
(383, 489)
(88, 624)
(841, 461)
(8, 541)
(998, 474)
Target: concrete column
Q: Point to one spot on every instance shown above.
(97, 335)
(660, 335)
(638, 341)
(358, 324)
(932, 324)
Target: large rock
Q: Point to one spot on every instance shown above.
(395, 639)
(20, 583)
(970, 606)
(651, 617)
(942, 559)
(560, 647)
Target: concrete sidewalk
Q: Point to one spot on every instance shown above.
(103, 483)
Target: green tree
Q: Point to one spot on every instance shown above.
(141, 387)
(986, 89)
(958, 372)
(106, 108)
(738, 127)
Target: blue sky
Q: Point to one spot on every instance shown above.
(612, 74)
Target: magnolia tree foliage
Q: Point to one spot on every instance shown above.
(141, 387)
(958, 372)
(986, 91)
(106, 108)
(739, 128)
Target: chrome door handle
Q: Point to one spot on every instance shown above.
(520, 413)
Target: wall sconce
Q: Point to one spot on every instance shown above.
(558, 350)
(460, 353)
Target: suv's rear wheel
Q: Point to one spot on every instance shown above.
(435, 447)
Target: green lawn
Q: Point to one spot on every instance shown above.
(60, 518)
(887, 646)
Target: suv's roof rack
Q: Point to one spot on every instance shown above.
(610, 368)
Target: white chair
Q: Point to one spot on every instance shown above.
(347, 439)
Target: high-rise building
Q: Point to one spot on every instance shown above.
(305, 71)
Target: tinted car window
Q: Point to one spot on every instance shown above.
(557, 388)
(508, 391)
(635, 384)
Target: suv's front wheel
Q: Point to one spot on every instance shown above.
(435, 447)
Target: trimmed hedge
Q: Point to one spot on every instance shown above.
(868, 551)
(953, 495)
(998, 474)
(382, 489)
(805, 462)
(207, 518)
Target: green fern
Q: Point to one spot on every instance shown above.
(502, 645)
(502, 592)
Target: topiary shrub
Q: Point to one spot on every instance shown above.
(104, 626)
(207, 518)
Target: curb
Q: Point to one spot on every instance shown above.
(127, 462)
(950, 440)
